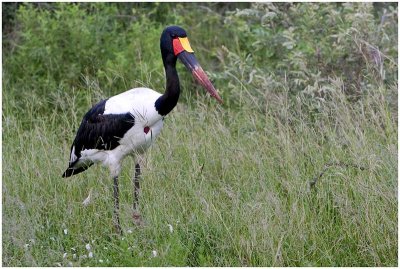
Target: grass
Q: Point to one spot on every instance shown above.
(234, 185)
(297, 168)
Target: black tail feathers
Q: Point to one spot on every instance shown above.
(73, 171)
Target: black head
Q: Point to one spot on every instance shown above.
(174, 44)
(166, 41)
(174, 31)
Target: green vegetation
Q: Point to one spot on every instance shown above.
(310, 93)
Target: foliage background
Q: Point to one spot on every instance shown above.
(309, 89)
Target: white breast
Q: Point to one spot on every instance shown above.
(137, 141)
(140, 103)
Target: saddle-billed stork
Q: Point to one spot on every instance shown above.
(128, 123)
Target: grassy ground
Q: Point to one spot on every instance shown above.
(223, 186)
(234, 185)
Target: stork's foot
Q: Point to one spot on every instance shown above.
(137, 218)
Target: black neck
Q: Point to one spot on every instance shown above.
(166, 102)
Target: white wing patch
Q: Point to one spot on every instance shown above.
(135, 100)
(73, 156)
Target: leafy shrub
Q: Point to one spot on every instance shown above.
(304, 46)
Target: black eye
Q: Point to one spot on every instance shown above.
(174, 36)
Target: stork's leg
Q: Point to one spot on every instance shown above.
(136, 189)
(116, 206)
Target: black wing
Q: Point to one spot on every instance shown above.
(99, 131)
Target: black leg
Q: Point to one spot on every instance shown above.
(137, 219)
(136, 188)
(116, 206)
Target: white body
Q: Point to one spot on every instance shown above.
(140, 103)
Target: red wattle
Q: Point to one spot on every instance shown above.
(177, 46)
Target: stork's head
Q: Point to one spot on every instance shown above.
(174, 44)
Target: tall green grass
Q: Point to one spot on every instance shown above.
(223, 185)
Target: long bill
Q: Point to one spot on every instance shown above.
(191, 63)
